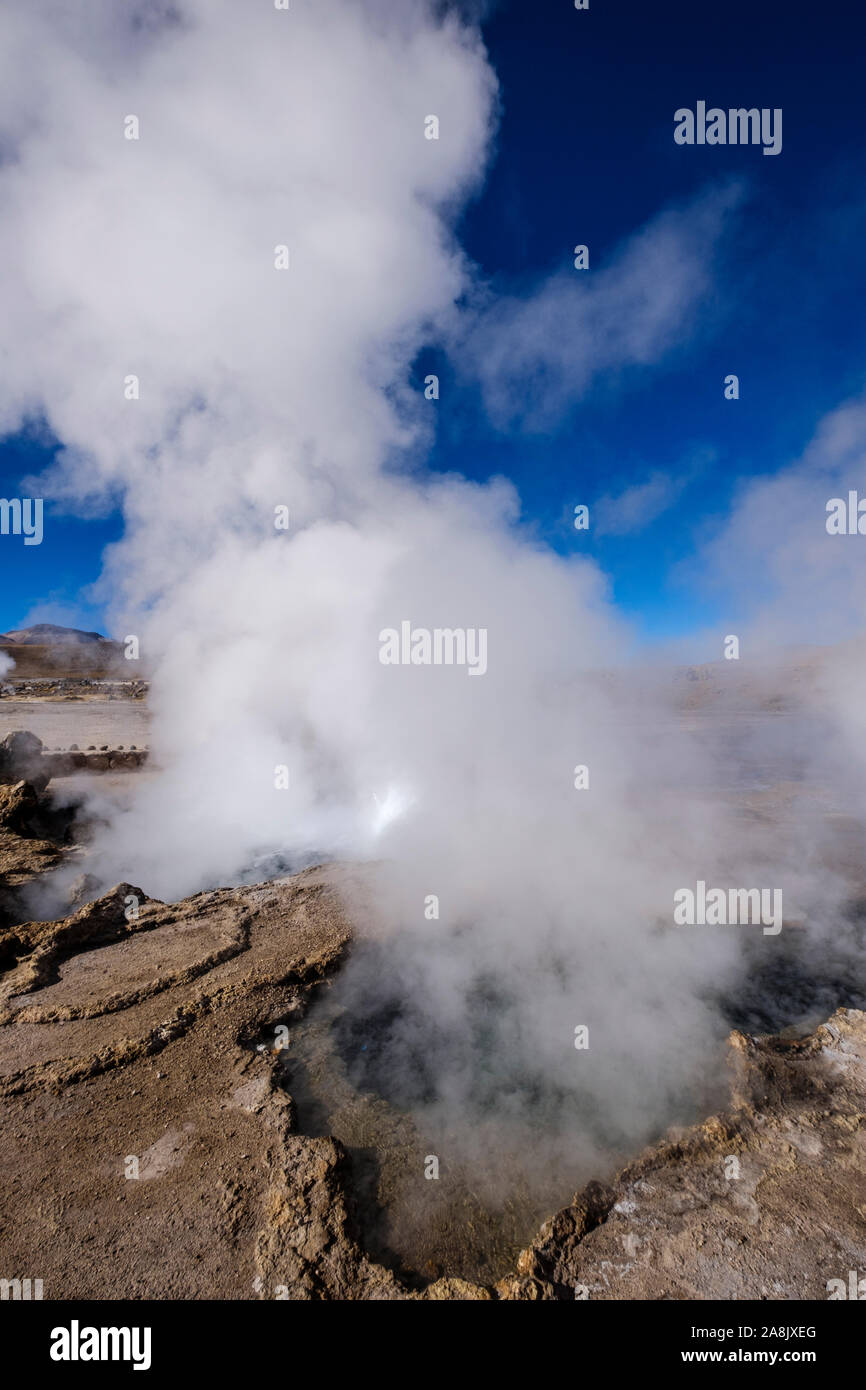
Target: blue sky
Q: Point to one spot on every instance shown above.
(585, 154)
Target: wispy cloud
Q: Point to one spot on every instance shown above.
(639, 505)
(536, 355)
(630, 511)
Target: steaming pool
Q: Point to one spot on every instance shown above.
(333, 1067)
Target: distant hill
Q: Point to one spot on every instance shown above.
(50, 634)
(49, 650)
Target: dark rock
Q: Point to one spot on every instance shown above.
(20, 755)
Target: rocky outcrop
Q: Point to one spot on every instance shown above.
(151, 1149)
(19, 807)
(31, 842)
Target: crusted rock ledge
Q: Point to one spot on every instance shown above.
(149, 1150)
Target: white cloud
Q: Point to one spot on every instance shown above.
(536, 355)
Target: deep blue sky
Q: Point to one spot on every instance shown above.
(585, 153)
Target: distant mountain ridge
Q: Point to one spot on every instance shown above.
(50, 651)
(49, 634)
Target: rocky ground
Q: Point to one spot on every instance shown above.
(150, 1147)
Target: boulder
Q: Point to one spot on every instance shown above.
(20, 756)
